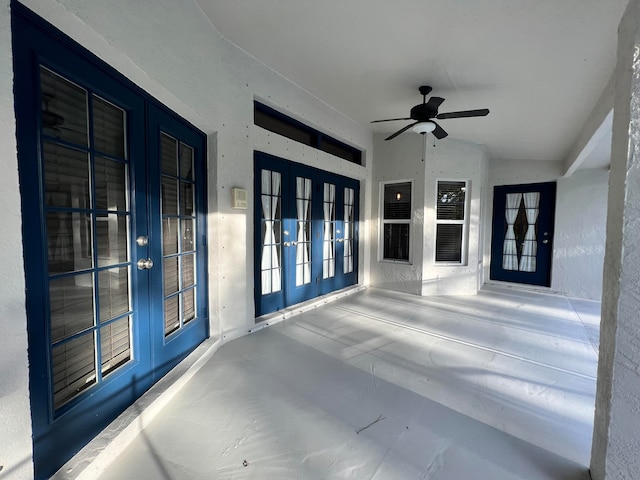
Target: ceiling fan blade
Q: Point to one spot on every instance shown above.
(435, 102)
(403, 129)
(463, 114)
(391, 120)
(439, 132)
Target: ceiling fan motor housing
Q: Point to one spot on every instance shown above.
(423, 112)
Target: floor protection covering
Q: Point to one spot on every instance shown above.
(382, 385)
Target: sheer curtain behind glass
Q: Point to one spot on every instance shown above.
(510, 249)
(328, 244)
(530, 245)
(270, 262)
(303, 237)
(348, 230)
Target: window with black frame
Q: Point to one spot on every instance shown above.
(396, 221)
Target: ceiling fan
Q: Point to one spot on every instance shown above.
(425, 112)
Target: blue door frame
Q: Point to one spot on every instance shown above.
(58, 433)
(542, 230)
(291, 291)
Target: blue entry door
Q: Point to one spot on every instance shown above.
(522, 233)
(305, 233)
(112, 191)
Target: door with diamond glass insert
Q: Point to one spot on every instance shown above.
(522, 239)
(113, 229)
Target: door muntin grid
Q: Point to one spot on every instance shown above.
(85, 173)
(178, 233)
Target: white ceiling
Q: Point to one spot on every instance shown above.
(538, 65)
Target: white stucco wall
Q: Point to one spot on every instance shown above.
(454, 160)
(172, 51)
(580, 232)
(401, 160)
(395, 161)
(15, 416)
(616, 434)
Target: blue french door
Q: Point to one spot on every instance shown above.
(522, 239)
(113, 203)
(305, 232)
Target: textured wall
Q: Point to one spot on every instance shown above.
(398, 160)
(578, 244)
(454, 160)
(401, 159)
(15, 416)
(616, 437)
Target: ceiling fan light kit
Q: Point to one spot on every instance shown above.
(424, 127)
(424, 113)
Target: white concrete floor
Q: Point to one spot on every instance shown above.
(382, 385)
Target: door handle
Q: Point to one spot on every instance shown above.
(294, 243)
(145, 264)
(340, 240)
(287, 244)
(545, 241)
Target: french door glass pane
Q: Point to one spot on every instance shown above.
(86, 202)
(64, 109)
(186, 198)
(69, 241)
(329, 235)
(66, 173)
(189, 305)
(169, 235)
(177, 232)
(111, 232)
(113, 288)
(171, 315)
(108, 128)
(170, 275)
(73, 368)
(71, 305)
(115, 345)
(349, 234)
(188, 234)
(271, 221)
(169, 196)
(111, 184)
(303, 235)
(186, 162)
(169, 155)
(188, 271)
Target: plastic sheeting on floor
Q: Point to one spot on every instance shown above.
(382, 385)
